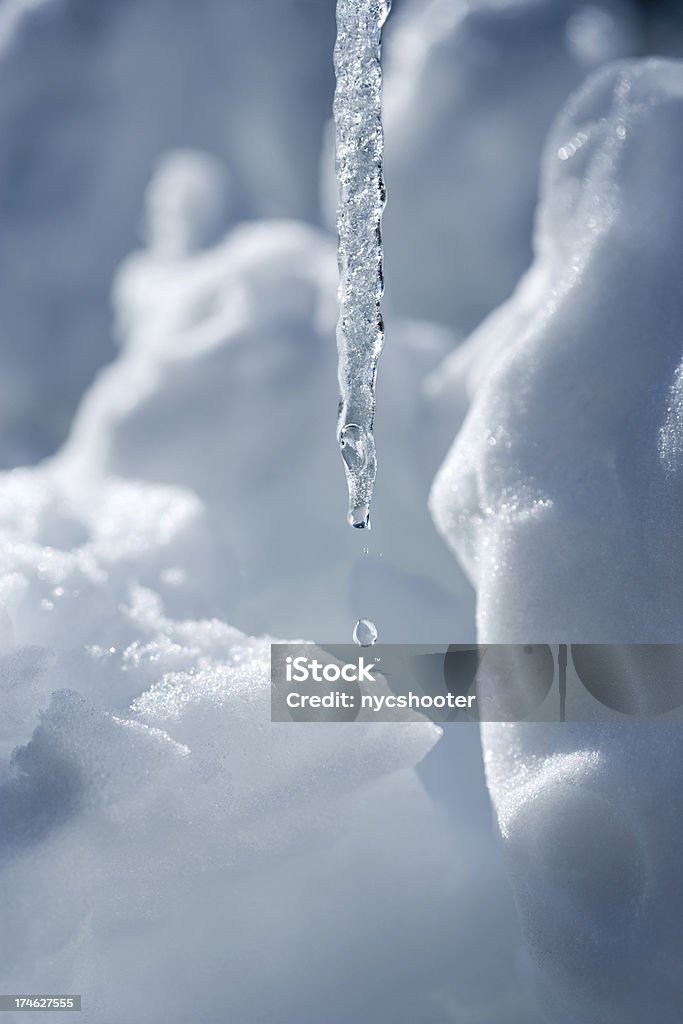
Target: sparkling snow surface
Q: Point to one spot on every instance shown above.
(562, 495)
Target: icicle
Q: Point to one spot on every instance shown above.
(360, 146)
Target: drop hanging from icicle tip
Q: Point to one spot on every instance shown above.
(365, 633)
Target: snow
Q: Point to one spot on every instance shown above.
(156, 826)
(471, 90)
(594, 865)
(161, 839)
(164, 848)
(555, 487)
(229, 351)
(560, 495)
(119, 84)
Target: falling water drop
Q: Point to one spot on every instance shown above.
(365, 633)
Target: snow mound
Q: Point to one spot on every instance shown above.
(593, 863)
(154, 820)
(560, 493)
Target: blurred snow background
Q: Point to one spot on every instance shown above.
(174, 496)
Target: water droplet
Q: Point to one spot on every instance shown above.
(365, 633)
(359, 518)
(366, 551)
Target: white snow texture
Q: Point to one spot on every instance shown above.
(562, 494)
(164, 849)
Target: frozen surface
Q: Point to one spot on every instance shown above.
(360, 181)
(561, 495)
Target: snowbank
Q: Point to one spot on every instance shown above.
(164, 846)
(561, 495)
(161, 840)
(560, 492)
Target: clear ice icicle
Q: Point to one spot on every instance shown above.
(360, 177)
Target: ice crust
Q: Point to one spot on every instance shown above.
(561, 495)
